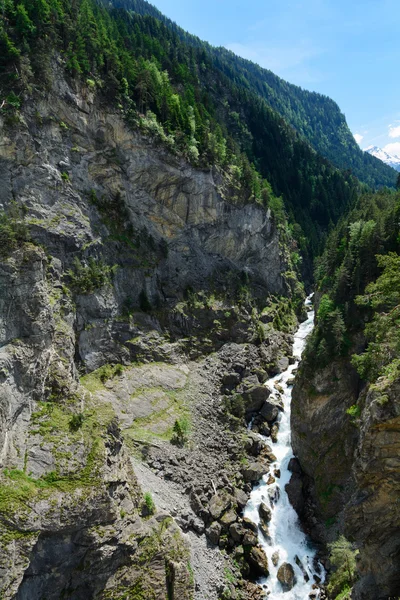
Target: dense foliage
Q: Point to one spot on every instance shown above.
(181, 93)
(343, 560)
(358, 277)
(315, 116)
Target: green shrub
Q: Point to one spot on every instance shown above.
(343, 559)
(354, 411)
(149, 503)
(76, 422)
(85, 279)
(180, 431)
(107, 372)
(13, 230)
(13, 100)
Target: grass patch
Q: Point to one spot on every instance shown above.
(94, 382)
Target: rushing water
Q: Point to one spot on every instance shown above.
(286, 535)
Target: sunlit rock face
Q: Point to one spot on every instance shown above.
(90, 188)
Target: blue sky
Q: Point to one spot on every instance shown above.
(346, 49)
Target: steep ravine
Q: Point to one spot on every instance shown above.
(130, 300)
(295, 571)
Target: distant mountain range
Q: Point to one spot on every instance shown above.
(389, 159)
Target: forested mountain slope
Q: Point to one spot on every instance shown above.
(346, 409)
(176, 91)
(316, 117)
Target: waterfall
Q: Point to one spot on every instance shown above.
(285, 533)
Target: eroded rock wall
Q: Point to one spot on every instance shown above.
(73, 520)
(352, 470)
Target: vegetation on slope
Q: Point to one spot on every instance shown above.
(178, 92)
(358, 278)
(314, 116)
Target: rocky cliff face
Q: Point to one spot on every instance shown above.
(126, 243)
(350, 458)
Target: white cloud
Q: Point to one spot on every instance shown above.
(394, 132)
(392, 149)
(358, 137)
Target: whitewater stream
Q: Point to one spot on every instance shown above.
(286, 536)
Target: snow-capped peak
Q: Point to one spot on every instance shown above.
(390, 159)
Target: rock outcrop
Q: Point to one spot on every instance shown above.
(130, 256)
(350, 459)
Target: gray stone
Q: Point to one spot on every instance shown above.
(254, 471)
(218, 505)
(213, 533)
(248, 524)
(250, 539)
(286, 576)
(241, 498)
(265, 512)
(258, 562)
(265, 531)
(283, 364)
(255, 398)
(270, 410)
(236, 531)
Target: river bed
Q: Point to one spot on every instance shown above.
(286, 536)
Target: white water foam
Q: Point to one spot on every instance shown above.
(286, 535)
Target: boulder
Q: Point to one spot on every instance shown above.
(254, 471)
(274, 494)
(286, 576)
(228, 518)
(274, 432)
(230, 380)
(275, 558)
(258, 562)
(195, 503)
(262, 375)
(282, 364)
(248, 383)
(213, 533)
(255, 397)
(270, 410)
(265, 531)
(236, 531)
(254, 445)
(241, 498)
(265, 512)
(248, 524)
(263, 429)
(250, 539)
(218, 505)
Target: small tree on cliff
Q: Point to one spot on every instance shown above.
(343, 559)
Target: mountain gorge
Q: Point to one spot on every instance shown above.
(163, 204)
